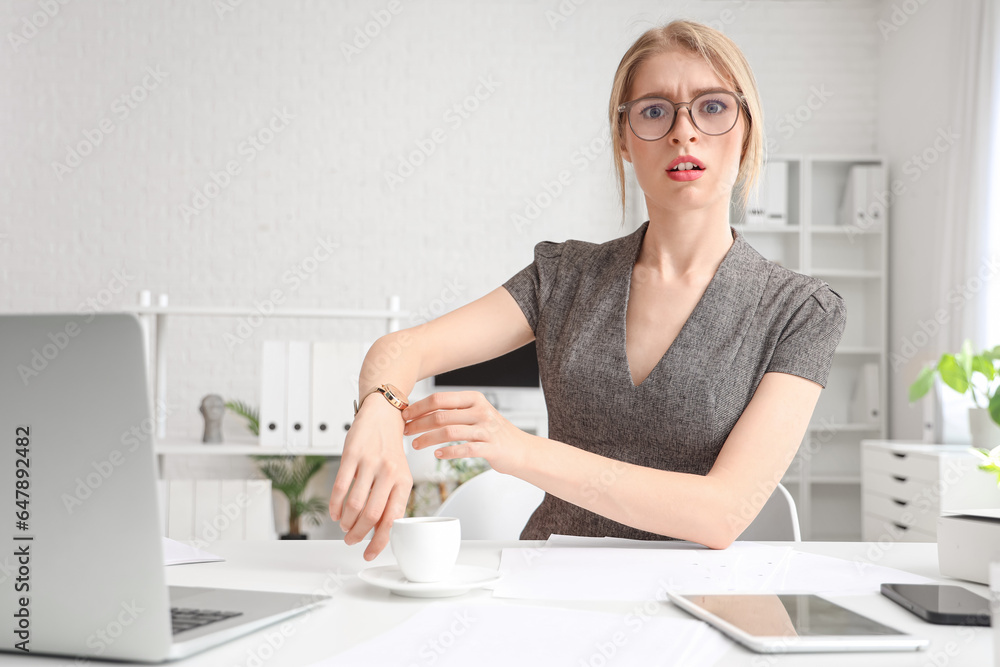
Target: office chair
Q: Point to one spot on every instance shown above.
(492, 506)
(778, 520)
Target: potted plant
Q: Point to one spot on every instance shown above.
(290, 475)
(977, 375)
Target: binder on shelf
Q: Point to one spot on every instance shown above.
(755, 207)
(769, 203)
(297, 426)
(865, 400)
(273, 381)
(776, 184)
(874, 209)
(859, 205)
(331, 409)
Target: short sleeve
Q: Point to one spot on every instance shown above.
(532, 285)
(810, 337)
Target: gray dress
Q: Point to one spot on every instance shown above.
(754, 317)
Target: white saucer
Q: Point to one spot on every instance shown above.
(462, 579)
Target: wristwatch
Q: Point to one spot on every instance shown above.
(395, 397)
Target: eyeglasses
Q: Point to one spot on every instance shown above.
(713, 113)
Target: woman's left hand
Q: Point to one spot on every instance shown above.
(467, 416)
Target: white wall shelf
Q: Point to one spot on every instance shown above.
(154, 321)
(852, 258)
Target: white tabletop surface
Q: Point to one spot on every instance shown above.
(358, 611)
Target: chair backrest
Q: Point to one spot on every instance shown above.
(217, 509)
(777, 521)
(492, 506)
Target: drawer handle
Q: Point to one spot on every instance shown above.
(899, 455)
(901, 503)
(900, 526)
(899, 478)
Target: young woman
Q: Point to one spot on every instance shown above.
(680, 368)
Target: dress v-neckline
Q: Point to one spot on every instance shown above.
(630, 266)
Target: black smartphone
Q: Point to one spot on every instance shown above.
(940, 603)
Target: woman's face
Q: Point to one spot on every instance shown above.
(680, 76)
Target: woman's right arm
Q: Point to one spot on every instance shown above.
(373, 483)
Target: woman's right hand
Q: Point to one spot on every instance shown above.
(374, 481)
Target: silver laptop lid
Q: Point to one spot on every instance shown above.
(82, 571)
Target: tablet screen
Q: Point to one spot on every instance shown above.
(789, 616)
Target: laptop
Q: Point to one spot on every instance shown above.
(81, 570)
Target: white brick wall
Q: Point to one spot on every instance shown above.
(353, 118)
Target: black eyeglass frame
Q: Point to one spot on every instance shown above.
(741, 106)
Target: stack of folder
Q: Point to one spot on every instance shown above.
(306, 395)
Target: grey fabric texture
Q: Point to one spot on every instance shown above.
(754, 317)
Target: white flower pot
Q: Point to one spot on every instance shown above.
(985, 432)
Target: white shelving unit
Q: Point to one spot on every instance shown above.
(825, 477)
(154, 320)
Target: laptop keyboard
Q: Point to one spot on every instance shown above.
(182, 620)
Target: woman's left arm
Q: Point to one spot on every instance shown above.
(710, 509)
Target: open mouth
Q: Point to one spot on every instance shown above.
(687, 166)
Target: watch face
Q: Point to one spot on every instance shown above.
(395, 392)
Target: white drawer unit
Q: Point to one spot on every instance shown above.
(905, 486)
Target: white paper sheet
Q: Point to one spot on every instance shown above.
(568, 573)
(503, 635)
(178, 553)
(619, 543)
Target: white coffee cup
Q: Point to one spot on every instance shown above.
(426, 547)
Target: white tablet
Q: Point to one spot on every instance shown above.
(780, 623)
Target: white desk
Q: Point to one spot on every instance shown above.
(358, 611)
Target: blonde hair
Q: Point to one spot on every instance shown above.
(728, 63)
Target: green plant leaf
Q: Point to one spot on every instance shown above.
(952, 374)
(994, 408)
(992, 355)
(248, 412)
(923, 383)
(982, 365)
(964, 358)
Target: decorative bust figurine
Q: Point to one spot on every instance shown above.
(213, 408)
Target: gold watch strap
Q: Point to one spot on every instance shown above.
(394, 396)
